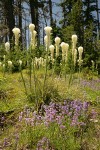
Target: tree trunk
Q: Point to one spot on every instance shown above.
(8, 6)
(34, 6)
(20, 21)
(50, 9)
(34, 15)
(98, 26)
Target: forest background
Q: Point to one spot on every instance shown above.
(66, 17)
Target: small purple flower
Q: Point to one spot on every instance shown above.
(93, 114)
(5, 143)
(62, 127)
(85, 105)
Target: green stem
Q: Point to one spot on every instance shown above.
(45, 76)
(35, 92)
(70, 77)
(23, 81)
(4, 72)
(65, 71)
(79, 72)
(30, 78)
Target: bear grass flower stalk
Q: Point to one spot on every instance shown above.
(63, 50)
(33, 35)
(75, 57)
(10, 66)
(72, 56)
(74, 42)
(32, 47)
(7, 47)
(80, 51)
(48, 34)
(31, 59)
(80, 61)
(46, 41)
(57, 43)
(64, 47)
(66, 55)
(16, 32)
(51, 47)
(35, 65)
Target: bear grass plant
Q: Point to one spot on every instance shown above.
(62, 61)
(39, 125)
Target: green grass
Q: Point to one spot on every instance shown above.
(12, 92)
(13, 98)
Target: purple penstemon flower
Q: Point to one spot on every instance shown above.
(73, 112)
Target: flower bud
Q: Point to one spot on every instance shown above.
(20, 62)
(57, 40)
(9, 63)
(74, 41)
(7, 46)
(48, 30)
(31, 27)
(74, 38)
(3, 66)
(64, 47)
(51, 47)
(16, 32)
(47, 39)
(80, 50)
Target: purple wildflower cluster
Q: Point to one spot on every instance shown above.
(8, 142)
(93, 84)
(65, 115)
(75, 112)
(44, 144)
